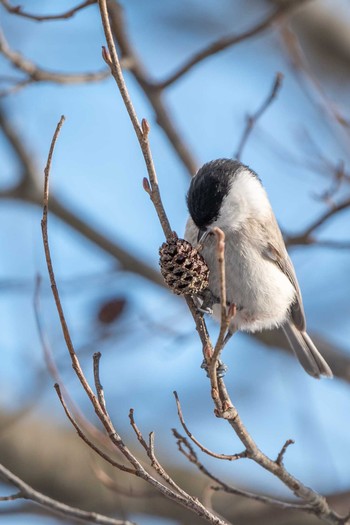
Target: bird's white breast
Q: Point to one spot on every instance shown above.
(261, 292)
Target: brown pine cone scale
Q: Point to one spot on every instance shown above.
(183, 268)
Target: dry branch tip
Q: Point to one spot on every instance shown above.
(280, 457)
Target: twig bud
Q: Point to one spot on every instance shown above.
(106, 56)
(146, 128)
(146, 185)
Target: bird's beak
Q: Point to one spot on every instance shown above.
(202, 235)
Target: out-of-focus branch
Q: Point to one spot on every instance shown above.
(27, 492)
(17, 10)
(306, 236)
(37, 74)
(224, 43)
(151, 90)
(311, 84)
(252, 119)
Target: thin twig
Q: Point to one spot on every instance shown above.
(17, 86)
(311, 84)
(17, 10)
(225, 319)
(223, 43)
(149, 448)
(252, 119)
(88, 427)
(60, 508)
(135, 428)
(281, 454)
(213, 362)
(306, 236)
(142, 131)
(12, 497)
(84, 437)
(98, 385)
(38, 74)
(152, 91)
(228, 457)
(187, 450)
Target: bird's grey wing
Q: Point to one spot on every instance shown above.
(284, 263)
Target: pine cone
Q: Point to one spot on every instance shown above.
(183, 268)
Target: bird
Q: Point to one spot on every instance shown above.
(261, 282)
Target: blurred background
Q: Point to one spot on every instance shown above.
(105, 236)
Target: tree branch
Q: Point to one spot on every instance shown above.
(38, 74)
(252, 119)
(152, 91)
(224, 43)
(17, 10)
(27, 492)
(306, 236)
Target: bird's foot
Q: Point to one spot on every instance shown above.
(220, 371)
(204, 302)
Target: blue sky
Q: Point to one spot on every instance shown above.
(98, 170)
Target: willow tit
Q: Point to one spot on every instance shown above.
(260, 277)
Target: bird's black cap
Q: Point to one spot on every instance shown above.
(208, 188)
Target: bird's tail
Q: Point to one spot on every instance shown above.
(307, 353)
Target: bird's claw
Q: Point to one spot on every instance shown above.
(204, 302)
(220, 371)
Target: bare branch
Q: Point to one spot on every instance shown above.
(225, 319)
(17, 10)
(29, 493)
(309, 81)
(84, 437)
(142, 131)
(99, 387)
(17, 86)
(149, 448)
(306, 236)
(187, 450)
(12, 497)
(280, 456)
(228, 457)
(252, 119)
(152, 91)
(224, 43)
(37, 74)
